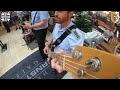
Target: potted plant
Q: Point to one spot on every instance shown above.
(83, 22)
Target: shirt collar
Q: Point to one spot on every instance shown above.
(63, 29)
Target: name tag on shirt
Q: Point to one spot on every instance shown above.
(75, 34)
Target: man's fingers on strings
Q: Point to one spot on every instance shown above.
(53, 63)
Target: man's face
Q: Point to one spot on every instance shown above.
(62, 16)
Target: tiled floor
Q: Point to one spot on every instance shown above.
(16, 50)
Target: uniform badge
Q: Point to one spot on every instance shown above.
(76, 34)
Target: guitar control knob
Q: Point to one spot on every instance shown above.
(93, 64)
(81, 73)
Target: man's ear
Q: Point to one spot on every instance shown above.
(71, 13)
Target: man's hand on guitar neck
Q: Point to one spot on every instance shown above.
(55, 63)
(46, 49)
(48, 45)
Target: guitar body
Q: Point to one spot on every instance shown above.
(91, 63)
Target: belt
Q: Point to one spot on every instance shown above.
(39, 30)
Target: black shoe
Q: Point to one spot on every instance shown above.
(4, 47)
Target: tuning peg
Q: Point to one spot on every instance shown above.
(77, 55)
(81, 73)
(88, 64)
(93, 64)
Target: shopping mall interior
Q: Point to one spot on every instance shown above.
(100, 53)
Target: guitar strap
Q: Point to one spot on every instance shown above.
(63, 36)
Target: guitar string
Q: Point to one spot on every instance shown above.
(72, 71)
(85, 72)
(65, 66)
(64, 63)
(66, 56)
(75, 73)
(74, 63)
(78, 69)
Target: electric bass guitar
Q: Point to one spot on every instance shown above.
(90, 63)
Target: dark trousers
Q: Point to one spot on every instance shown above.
(40, 36)
(23, 29)
(6, 26)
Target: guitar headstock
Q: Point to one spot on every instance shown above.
(91, 63)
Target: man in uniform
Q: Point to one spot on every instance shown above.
(76, 37)
(39, 27)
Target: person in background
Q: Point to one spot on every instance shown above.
(21, 17)
(27, 14)
(39, 28)
(15, 19)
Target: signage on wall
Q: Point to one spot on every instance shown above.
(5, 16)
(114, 17)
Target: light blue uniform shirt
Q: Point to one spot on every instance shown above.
(70, 42)
(41, 15)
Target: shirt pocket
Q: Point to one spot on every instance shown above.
(37, 18)
(65, 45)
